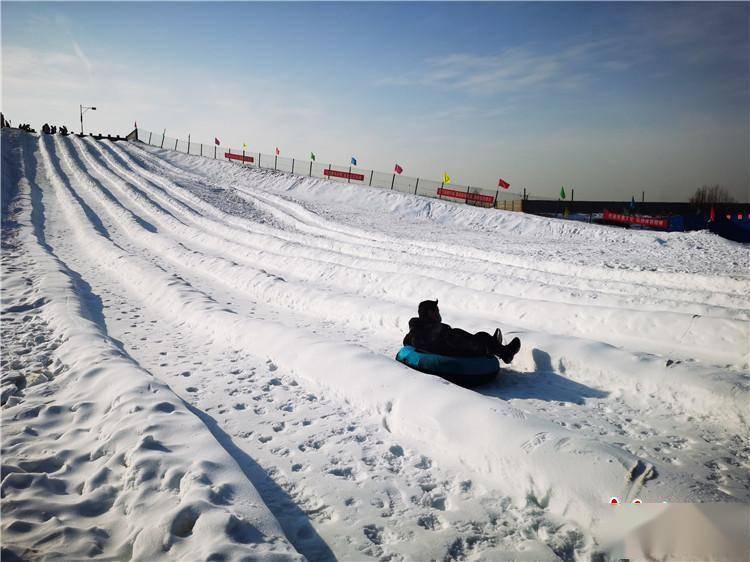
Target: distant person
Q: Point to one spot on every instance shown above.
(46, 129)
(63, 130)
(53, 129)
(428, 333)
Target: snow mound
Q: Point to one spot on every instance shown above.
(108, 462)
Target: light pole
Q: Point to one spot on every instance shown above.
(84, 109)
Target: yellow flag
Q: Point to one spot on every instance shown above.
(244, 146)
(446, 178)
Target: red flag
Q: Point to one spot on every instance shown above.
(398, 169)
(217, 142)
(277, 151)
(502, 183)
(712, 216)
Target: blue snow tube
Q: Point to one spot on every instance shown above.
(464, 371)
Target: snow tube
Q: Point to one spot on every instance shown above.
(464, 371)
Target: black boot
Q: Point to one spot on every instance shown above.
(498, 336)
(508, 352)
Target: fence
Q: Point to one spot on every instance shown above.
(476, 196)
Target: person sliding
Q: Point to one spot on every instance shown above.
(427, 333)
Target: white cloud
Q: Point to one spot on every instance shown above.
(82, 57)
(514, 70)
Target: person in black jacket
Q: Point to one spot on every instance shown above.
(428, 333)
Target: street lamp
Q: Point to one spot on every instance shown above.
(84, 109)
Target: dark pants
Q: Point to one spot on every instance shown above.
(460, 343)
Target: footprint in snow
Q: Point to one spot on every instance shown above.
(429, 522)
(395, 450)
(373, 533)
(346, 473)
(424, 463)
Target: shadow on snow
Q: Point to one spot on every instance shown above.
(542, 384)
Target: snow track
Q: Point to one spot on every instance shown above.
(102, 464)
(630, 382)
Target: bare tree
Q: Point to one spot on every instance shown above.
(714, 194)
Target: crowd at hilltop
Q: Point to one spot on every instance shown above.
(46, 128)
(53, 129)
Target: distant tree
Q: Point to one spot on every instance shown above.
(714, 194)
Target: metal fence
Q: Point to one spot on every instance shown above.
(476, 196)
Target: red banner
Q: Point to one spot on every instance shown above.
(478, 197)
(345, 175)
(231, 156)
(636, 219)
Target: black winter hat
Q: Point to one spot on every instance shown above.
(426, 306)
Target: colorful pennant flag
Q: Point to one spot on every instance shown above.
(502, 183)
(312, 156)
(217, 142)
(354, 161)
(277, 151)
(244, 146)
(398, 169)
(562, 192)
(446, 178)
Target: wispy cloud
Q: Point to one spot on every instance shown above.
(516, 69)
(82, 57)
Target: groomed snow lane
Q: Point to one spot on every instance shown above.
(272, 305)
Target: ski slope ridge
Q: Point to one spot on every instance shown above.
(632, 380)
(711, 333)
(715, 392)
(332, 364)
(171, 485)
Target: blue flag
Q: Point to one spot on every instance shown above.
(354, 161)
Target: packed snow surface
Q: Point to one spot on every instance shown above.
(198, 364)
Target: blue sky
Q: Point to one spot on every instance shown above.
(608, 99)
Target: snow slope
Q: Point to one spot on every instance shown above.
(236, 327)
